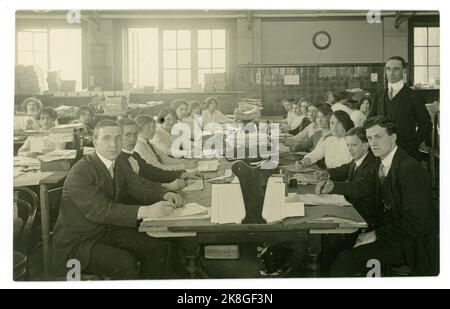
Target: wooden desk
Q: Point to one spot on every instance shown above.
(309, 228)
(45, 183)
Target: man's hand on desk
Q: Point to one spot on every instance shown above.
(191, 175)
(174, 198)
(156, 210)
(302, 163)
(322, 175)
(365, 239)
(324, 186)
(176, 185)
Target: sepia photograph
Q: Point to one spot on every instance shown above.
(161, 144)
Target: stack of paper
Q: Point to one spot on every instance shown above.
(60, 154)
(208, 166)
(227, 204)
(219, 252)
(324, 199)
(114, 106)
(189, 211)
(277, 206)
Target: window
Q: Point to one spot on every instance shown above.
(426, 55)
(211, 52)
(143, 57)
(174, 58)
(51, 50)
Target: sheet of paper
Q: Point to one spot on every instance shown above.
(227, 204)
(324, 199)
(30, 178)
(26, 161)
(36, 143)
(208, 166)
(196, 185)
(188, 211)
(59, 154)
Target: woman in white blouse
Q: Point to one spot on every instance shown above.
(163, 138)
(309, 130)
(333, 148)
(33, 108)
(194, 116)
(150, 153)
(212, 114)
(361, 112)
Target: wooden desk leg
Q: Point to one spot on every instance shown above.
(193, 267)
(45, 226)
(314, 247)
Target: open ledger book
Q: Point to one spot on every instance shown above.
(189, 211)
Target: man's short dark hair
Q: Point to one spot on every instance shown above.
(126, 122)
(398, 58)
(102, 124)
(360, 132)
(383, 122)
(143, 120)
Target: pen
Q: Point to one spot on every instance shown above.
(323, 186)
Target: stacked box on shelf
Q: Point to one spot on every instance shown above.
(29, 80)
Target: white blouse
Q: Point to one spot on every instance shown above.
(333, 149)
(306, 133)
(358, 118)
(154, 157)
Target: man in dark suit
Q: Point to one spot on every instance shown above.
(94, 225)
(172, 180)
(405, 107)
(409, 227)
(353, 180)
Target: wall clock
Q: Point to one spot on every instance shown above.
(322, 40)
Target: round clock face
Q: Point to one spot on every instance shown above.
(321, 40)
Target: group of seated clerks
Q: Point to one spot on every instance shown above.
(131, 176)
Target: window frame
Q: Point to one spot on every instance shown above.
(183, 24)
(22, 25)
(417, 22)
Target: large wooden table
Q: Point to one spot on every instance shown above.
(195, 233)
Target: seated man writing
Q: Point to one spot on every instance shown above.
(408, 229)
(355, 179)
(97, 228)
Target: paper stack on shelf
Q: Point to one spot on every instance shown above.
(29, 80)
(221, 252)
(248, 109)
(114, 105)
(54, 81)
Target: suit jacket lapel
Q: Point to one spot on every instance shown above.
(351, 170)
(104, 173)
(398, 99)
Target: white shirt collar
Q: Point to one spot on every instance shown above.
(360, 160)
(387, 162)
(396, 86)
(105, 161)
(127, 151)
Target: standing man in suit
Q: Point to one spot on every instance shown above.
(405, 107)
(97, 228)
(353, 180)
(408, 231)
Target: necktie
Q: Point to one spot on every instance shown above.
(381, 173)
(111, 170)
(154, 152)
(391, 93)
(134, 164)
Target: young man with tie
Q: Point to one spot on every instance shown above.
(408, 229)
(405, 107)
(353, 180)
(97, 228)
(173, 180)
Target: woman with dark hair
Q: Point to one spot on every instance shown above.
(85, 116)
(194, 116)
(334, 148)
(323, 131)
(361, 111)
(329, 98)
(212, 114)
(181, 108)
(163, 138)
